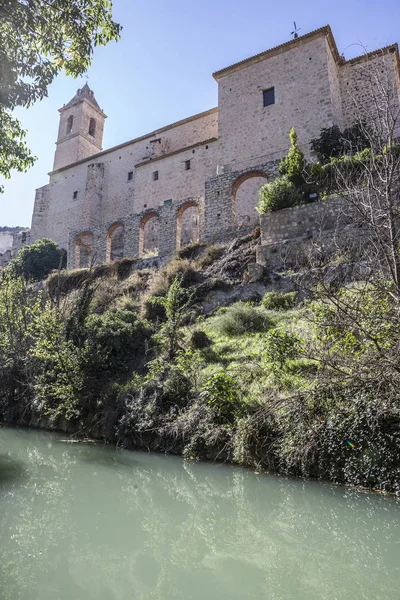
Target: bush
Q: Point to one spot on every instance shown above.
(278, 194)
(293, 165)
(241, 318)
(200, 340)
(114, 341)
(36, 261)
(276, 300)
(223, 397)
(280, 347)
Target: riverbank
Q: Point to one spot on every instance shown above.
(192, 359)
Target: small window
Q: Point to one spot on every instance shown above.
(130, 176)
(269, 96)
(70, 122)
(75, 195)
(92, 127)
(155, 176)
(187, 165)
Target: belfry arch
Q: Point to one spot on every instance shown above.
(149, 234)
(115, 242)
(84, 250)
(245, 197)
(187, 224)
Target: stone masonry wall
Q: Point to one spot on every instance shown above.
(299, 221)
(361, 80)
(302, 100)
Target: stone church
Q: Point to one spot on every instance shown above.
(197, 179)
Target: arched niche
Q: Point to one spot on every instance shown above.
(187, 225)
(115, 242)
(245, 197)
(149, 234)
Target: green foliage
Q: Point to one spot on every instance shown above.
(333, 143)
(223, 398)
(276, 195)
(329, 177)
(114, 341)
(276, 300)
(59, 380)
(241, 318)
(176, 304)
(36, 261)
(37, 41)
(280, 347)
(294, 163)
(19, 308)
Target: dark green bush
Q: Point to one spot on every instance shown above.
(276, 300)
(241, 318)
(36, 261)
(115, 340)
(199, 340)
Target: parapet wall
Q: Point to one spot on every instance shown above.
(300, 221)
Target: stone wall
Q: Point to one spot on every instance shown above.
(220, 199)
(96, 242)
(300, 221)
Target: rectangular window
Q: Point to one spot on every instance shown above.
(187, 165)
(130, 175)
(75, 195)
(155, 176)
(269, 96)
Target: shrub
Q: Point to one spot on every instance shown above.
(241, 318)
(36, 261)
(223, 397)
(114, 340)
(278, 194)
(276, 300)
(280, 347)
(293, 165)
(200, 340)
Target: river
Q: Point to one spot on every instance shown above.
(81, 522)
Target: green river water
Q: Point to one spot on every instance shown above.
(81, 522)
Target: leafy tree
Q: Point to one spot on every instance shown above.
(333, 143)
(175, 303)
(36, 261)
(38, 39)
(280, 347)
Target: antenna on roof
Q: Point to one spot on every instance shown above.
(295, 32)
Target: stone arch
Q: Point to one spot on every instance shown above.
(115, 242)
(84, 250)
(244, 197)
(187, 224)
(92, 127)
(149, 233)
(70, 122)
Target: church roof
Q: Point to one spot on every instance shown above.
(83, 93)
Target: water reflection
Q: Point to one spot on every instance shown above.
(90, 522)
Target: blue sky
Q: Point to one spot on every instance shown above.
(161, 69)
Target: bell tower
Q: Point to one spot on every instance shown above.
(80, 133)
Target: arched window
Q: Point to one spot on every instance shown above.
(92, 127)
(70, 122)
